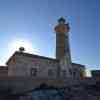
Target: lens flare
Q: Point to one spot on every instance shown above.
(16, 44)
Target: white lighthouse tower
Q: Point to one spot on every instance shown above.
(63, 48)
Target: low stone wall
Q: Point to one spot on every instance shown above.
(21, 84)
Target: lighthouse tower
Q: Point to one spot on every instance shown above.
(63, 48)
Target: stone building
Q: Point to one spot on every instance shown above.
(3, 71)
(30, 65)
(35, 77)
(24, 64)
(78, 71)
(95, 73)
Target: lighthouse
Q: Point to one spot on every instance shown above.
(63, 48)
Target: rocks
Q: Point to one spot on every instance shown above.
(67, 93)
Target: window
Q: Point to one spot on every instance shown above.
(33, 72)
(70, 71)
(64, 73)
(50, 73)
(74, 74)
(50, 63)
(67, 49)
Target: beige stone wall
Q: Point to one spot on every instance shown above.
(78, 71)
(3, 71)
(24, 84)
(22, 66)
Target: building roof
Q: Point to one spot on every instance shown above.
(29, 55)
(78, 64)
(95, 72)
(61, 19)
(36, 56)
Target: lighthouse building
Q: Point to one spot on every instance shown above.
(31, 65)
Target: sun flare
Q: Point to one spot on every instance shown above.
(16, 44)
(88, 73)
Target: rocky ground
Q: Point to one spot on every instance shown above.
(66, 93)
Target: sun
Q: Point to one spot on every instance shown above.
(16, 44)
(88, 73)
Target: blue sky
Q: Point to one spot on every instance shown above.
(34, 20)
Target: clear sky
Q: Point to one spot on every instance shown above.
(34, 20)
